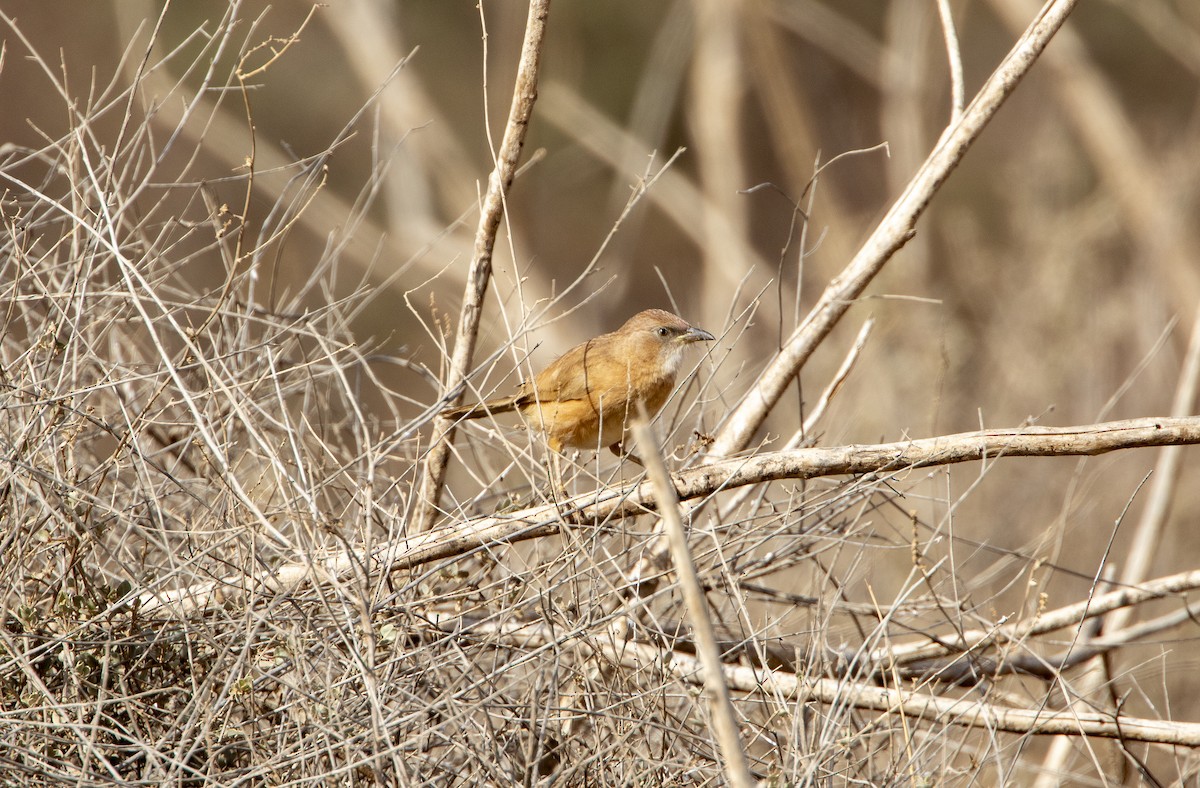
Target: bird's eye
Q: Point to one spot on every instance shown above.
(663, 331)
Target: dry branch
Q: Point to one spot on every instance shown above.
(604, 505)
(169, 404)
(724, 716)
(945, 711)
(795, 687)
(524, 95)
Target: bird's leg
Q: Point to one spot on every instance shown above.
(559, 466)
(558, 484)
(619, 449)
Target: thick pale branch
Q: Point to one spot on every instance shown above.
(604, 505)
(947, 711)
(724, 718)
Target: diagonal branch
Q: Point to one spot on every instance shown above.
(724, 718)
(524, 95)
(603, 505)
(892, 233)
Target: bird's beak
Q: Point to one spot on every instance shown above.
(696, 335)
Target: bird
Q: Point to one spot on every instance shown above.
(588, 396)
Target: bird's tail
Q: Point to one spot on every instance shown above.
(481, 409)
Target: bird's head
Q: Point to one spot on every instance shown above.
(664, 334)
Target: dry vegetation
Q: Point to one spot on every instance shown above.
(234, 244)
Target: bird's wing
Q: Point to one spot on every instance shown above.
(577, 374)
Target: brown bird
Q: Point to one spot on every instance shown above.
(586, 397)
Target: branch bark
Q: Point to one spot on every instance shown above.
(786, 684)
(919, 705)
(724, 717)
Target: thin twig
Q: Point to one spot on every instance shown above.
(954, 56)
(1060, 618)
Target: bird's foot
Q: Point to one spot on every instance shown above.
(619, 450)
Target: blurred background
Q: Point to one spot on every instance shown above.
(1043, 274)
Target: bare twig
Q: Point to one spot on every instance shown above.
(1060, 618)
(524, 95)
(954, 56)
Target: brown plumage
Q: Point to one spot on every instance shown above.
(586, 397)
